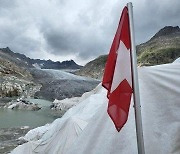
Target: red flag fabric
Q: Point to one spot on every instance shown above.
(117, 77)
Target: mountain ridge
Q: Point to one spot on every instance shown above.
(163, 47)
(43, 64)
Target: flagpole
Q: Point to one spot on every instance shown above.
(137, 105)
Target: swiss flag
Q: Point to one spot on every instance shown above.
(118, 75)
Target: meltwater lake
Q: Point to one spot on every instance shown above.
(15, 118)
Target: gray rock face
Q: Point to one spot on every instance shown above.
(15, 79)
(9, 89)
(12, 86)
(9, 138)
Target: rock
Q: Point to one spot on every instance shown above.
(10, 89)
(22, 105)
(11, 138)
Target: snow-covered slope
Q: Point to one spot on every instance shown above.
(87, 129)
(177, 60)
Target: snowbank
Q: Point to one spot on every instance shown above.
(86, 128)
(177, 60)
(67, 103)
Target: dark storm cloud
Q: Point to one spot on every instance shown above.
(70, 42)
(14, 35)
(82, 37)
(25, 45)
(79, 29)
(61, 42)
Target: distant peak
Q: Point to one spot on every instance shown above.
(7, 48)
(167, 30)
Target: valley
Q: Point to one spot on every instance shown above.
(28, 81)
(20, 80)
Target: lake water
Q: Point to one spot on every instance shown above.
(15, 118)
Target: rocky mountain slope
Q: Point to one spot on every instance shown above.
(94, 68)
(14, 78)
(163, 47)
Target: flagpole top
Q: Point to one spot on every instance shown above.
(129, 4)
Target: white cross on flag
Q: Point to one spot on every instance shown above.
(117, 77)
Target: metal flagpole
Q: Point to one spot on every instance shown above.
(137, 106)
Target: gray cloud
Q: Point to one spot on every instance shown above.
(79, 29)
(7, 4)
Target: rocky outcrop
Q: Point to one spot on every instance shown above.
(15, 78)
(9, 89)
(12, 86)
(21, 104)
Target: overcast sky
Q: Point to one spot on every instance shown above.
(77, 29)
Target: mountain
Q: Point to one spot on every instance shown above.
(12, 66)
(94, 68)
(163, 47)
(22, 60)
(49, 64)
(15, 79)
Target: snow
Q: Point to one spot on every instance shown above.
(177, 60)
(67, 103)
(61, 74)
(36, 65)
(87, 128)
(13, 105)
